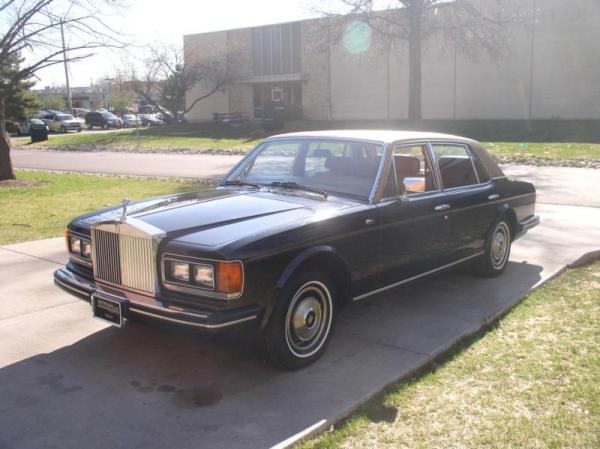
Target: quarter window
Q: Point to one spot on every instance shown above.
(413, 170)
(455, 165)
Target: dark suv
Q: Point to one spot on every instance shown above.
(104, 120)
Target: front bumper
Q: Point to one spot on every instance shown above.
(146, 307)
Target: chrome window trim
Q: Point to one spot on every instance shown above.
(427, 155)
(199, 291)
(412, 278)
(469, 154)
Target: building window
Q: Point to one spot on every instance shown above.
(276, 94)
(276, 49)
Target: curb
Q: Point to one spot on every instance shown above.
(328, 424)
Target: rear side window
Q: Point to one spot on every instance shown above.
(455, 165)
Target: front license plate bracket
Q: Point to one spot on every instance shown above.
(111, 310)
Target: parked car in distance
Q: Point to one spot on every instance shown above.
(80, 112)
(304, 224)
(131, 120)
(151, 120)
(24, 128)
(102, 119)
(61, 122)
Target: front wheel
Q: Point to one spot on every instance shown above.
(63, 129)
(497, 251)
(302, 321)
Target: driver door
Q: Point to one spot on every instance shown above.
(414, 234)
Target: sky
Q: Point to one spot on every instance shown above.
(155, 21)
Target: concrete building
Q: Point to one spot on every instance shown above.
(551, 70)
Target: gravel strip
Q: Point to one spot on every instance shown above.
(240, 151)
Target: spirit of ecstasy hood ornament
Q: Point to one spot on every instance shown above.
(124, 203)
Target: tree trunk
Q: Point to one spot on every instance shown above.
(414, 61)
(6, 168)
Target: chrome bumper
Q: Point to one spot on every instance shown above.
(527, 224)
(147, 307)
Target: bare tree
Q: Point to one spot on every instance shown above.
(30, 40)
(472, 25)
(170, 75)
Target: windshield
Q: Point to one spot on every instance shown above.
(63, 117)
(108, 115)
(346, 168)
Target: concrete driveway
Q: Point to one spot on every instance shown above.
(69, 381)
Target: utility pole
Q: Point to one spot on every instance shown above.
(68, 86)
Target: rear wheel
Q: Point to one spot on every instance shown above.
(497, 251)
(63, 129)
(302, 321)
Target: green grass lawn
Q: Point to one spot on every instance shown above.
(531, 382)
(179, 137)
(189, 136)
(564, 151)
(35, 212)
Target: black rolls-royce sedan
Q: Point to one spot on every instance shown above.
(304, 224)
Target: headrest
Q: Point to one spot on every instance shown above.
(322, 152)
(406, 166)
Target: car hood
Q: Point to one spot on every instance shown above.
(215, 217)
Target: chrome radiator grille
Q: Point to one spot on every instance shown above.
(124, 260)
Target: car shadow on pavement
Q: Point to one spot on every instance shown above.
(144, 386)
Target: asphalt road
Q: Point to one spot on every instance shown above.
(556, 185)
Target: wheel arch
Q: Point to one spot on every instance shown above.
(505, 211)
(324, 258)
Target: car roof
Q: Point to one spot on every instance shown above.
(384, 136)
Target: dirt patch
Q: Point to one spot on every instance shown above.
(20, 183)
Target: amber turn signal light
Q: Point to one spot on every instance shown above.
(230, 277)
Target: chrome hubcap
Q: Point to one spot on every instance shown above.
(308, 319)
(500, 245)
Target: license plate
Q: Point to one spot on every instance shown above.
(108, 309)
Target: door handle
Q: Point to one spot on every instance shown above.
(493, 197)
(441, 207)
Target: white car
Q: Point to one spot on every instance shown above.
(131, 121)
(62, 122)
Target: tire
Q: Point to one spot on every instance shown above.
(302, 321)
(90, 126)
(497, 251)
(63, 129)
(79, 130)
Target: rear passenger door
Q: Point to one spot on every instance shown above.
(468, 200)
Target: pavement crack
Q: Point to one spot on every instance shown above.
(29, 255)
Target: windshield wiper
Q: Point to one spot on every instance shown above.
(241, 183)
(295, 185)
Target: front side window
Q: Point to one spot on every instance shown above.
(345, 168)
(413, 170)
(455, 165)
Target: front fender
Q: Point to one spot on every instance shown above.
(305, 255)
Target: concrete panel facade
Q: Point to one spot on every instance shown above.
(550, 69)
